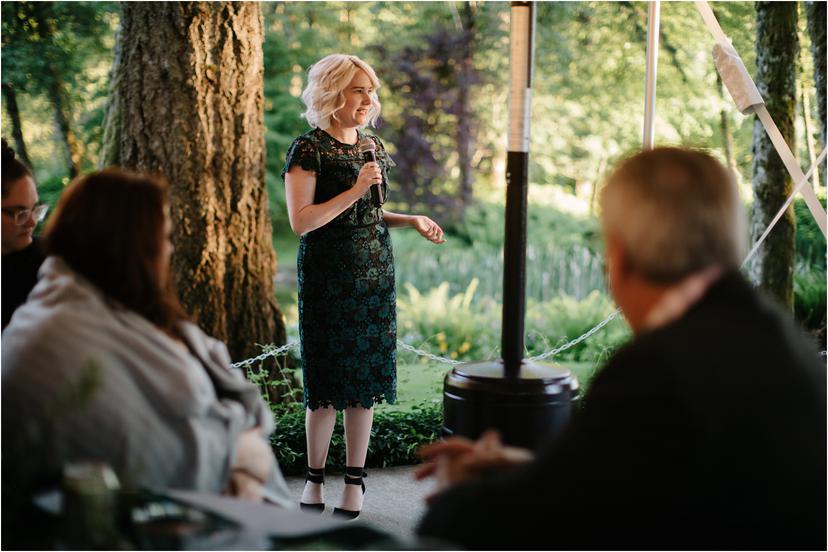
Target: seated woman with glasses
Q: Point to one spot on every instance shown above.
(22, 253)
(102, 363)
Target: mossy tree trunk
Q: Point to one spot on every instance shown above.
(13, 110)
(815, 13)
(777, 48)
(189, 94)
(466, 78)
(57, 93)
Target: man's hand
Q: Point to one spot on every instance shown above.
(457, 459)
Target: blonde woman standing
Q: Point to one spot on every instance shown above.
(347, 301)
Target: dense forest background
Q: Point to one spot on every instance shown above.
(444, 73)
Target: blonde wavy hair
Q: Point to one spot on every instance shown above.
(327, 79)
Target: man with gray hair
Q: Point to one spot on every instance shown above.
(706, 431)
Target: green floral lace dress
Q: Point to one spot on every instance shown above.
(347, 301)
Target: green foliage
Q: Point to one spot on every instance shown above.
(58, 49)
(483, 224)
(79, 393)
(810, 296)
(449, 326)
(559, 320)
(461, 328)
(810, 243)
(809, 273)
(395, 438)
(550, 270)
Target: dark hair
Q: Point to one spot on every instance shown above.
(13, 168)
(109, 227)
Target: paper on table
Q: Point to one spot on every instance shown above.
(260, 517)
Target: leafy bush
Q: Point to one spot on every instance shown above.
(810, 243)
(552, 323)
(483, 225)
(449, 326)
(461, 328)
(395, 438)
(574, 269)
(809, 296)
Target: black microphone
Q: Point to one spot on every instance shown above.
(368, 149)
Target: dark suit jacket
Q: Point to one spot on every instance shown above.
(709, 432)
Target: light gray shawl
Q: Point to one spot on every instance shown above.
(83, 379)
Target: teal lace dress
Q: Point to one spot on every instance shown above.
(347, 301)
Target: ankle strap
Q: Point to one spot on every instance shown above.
(354, 475)
(315, 475)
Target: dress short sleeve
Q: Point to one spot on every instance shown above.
(302, 152)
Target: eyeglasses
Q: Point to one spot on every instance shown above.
(21, 216)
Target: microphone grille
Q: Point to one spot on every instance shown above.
(366, 144)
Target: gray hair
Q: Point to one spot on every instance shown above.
(674, 211)
(327, 79)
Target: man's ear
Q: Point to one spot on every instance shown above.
(616, 259)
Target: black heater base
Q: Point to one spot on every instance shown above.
(527, 410)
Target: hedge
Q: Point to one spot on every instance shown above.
(395, 438)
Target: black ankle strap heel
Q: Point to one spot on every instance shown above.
(353, 476)
(314, 475)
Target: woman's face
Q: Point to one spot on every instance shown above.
(358, 101)
(22, 197)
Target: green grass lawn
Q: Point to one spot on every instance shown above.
(423, 383)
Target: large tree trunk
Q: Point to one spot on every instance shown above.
(190, 93)
(465, 77)
(110, 154)
(60, 102)
(816, 30)
(777, 48)
(724, 126)
(17, 129)
(56, 92)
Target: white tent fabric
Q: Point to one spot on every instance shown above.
(748, 100)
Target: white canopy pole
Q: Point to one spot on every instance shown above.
(653, 24)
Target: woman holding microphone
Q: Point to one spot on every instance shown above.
(347, 300)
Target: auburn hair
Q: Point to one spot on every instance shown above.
(109, 227)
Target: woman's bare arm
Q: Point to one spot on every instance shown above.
(306, 216)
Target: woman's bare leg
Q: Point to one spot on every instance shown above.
(319, 425)
(358, 423)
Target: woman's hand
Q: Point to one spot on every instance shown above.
(253, 454)
(243, 485)
(428, 229)
(369, 175)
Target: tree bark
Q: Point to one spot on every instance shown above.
(725, 128)
(17, 128)
(191, 105)
(815, 12)
(465, 116)
(807, 130)
(56, 92)
(777, 48)
(111, 140)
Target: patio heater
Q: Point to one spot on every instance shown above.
(526, 401)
